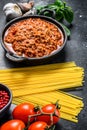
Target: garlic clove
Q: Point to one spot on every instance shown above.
(32, 11)
(26, 6)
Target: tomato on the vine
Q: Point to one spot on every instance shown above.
(22, 111)
(13, 125)
(49, 109)
(38, 125)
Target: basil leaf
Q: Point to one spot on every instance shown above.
(59, 15)
(52, 6)
(38, 8)
(68, 14)
(66, 30)
(59, 3)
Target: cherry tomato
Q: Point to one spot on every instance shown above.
(38, 125)
(22, 111)
(49, 108)
(13, 125)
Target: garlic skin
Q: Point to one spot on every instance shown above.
(26, 6)
(12, 11)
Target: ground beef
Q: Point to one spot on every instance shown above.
(34, 37)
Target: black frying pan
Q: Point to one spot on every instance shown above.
(13, 57)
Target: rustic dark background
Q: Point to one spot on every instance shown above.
(75, 50)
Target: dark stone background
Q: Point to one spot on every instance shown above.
(75, 50)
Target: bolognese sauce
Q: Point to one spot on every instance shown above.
(33, 37)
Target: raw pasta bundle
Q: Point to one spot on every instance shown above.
(41, 85)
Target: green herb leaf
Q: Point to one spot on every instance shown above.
(59, 15)
(66, 30)
(54, 7)
(59, 3)
(68, 14)
(39, 8)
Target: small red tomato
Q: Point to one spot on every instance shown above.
(22, 111)
(13, 125)
(38, 125)
(49, 109)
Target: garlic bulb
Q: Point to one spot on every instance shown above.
(12, 11)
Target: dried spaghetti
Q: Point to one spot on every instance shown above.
(40, 87)
(70, 106)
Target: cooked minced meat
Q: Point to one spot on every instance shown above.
(34, 37)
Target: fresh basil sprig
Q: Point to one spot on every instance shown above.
(62, 11)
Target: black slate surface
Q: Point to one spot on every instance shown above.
(75, 50)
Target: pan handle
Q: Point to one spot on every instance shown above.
(14, 58)
(52, 12)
